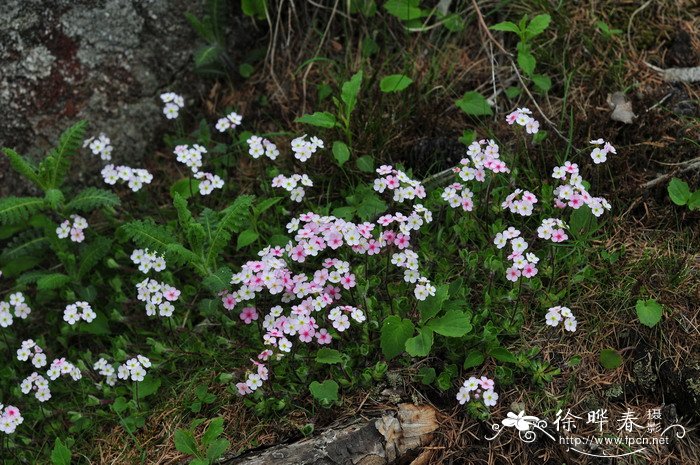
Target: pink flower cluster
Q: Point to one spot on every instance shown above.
(556, 314)
(257, 147)
(600, 155)
(523, 263)
(522, 117)
(571, 192)
(20, 307)
(456, 195)
(552, 229)
(10, 419)
(403, 187)
(520, 202)
(134, 177)
(72, 314)
(158, 296)
(31, 349)
(230, 121)
(74, 229)
(293, 184)
(475, 389)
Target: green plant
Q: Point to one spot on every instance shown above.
(210, 446)
(680, 194)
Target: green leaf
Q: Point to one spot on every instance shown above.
(473, 103)
(232, 219)
(245, 238)
(502, 355)
(405, 10)
(214, 430)
(218, 281)
(93, 198)
(394, 334)
(341, 153)
(207, 55)
(216, 449)
(679, 191)
(453, 324)
(185, 442)
(419, 346)
(60, 455)
(120, 404)
(610, 359)
(14, 210)
(55, 166)
(350, 90)
(542, 82)
(23, 166)
(582, 221)
(186, 187)
(52, 281)
(148, 386)
(474, 359)
(506, 26)
(526, 60)
(365, 164)
(649, 312)
(265, 205)
(328, 356)
(427, 375)
(538, 24)
(254, 8)
(326, 391)
(394, 83)
(321, 119)
(694, 201)
(432, 305)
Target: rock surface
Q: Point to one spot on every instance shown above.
(101, 60)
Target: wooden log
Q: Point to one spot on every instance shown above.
(380, 441)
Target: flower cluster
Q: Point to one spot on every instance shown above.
(404, 187)
(158, 296)
(37, 383)
(475, 389)
(293, 184)
(523, 263)
(73, 229)
(61, 366)
(103, 367)
(134, 368)
(456, 195)
(20, 307)
(148, 261)
(520, 202)
(552, 229)
(522, 117)
(101, 146)
(303, 149)
(230, 121)
(31, 349)
(600, 155)
(10, 419)
(556, 314)
(134, 177)
(257, 147)
(192, 157)
(572, 191)
(78, 311)
(173, 103)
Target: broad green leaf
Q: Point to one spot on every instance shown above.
(542, 82)
(473, 359)
(328, 390)
(60, 454)
(394, 83)
(322, 119)
(341, 153)
(679, 191)
(502, 355)
(214, 430)
(350, 90)
(216, 449)
(453, 324)
(610, 359)
(254, 8)
(649, 312)
(432, 305)
(245, 238)
(473, 103)
(420, 345)
(148, 386)
(694, 201)
(538, 24)
(365, 164)
(394, 334)
(186, 187)
(328, 356)
(405, 10)
(185, 442)
(506, 26)
(526, 60)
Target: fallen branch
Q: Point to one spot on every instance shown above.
(677, 74)
(687, 166)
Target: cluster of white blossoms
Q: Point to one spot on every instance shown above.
(403, 187)
(73, 228)
(552, 229)
(230, 121)
(523, 264)
(10, 418)
(600, 155)
(16, 303)
(61, 366)
(100, 145)
(79, 311)
(258, 146)
(556, 314)
(293, 184)
(103, 367)
(173, 103)
(522, 117)
(158, 297)
(148, 261)
(134, 177)
(37, 383)
(457, 195)
(192, 158)
(134, 368)
(572, 192)
(31, 349)
(303, 149)
(478, 389)
(520, 202)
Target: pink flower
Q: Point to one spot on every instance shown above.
(323, 337)
(529, 270)
(243, 389)
(512, 274)
(248, 315)
(306, 334)
(348, 281)
(402, 241)
(559, 235)
(486, 383)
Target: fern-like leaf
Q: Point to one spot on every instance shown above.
(93, 253)
(148, 235)
(93, 198)
(232, 220)
(219, 280)
(24, 245)
(14, 210)
(55, 166)
(23, 167)
(52, 281)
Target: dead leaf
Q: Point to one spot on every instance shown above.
(621, 108)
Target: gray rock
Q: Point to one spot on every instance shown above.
(101, 60)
